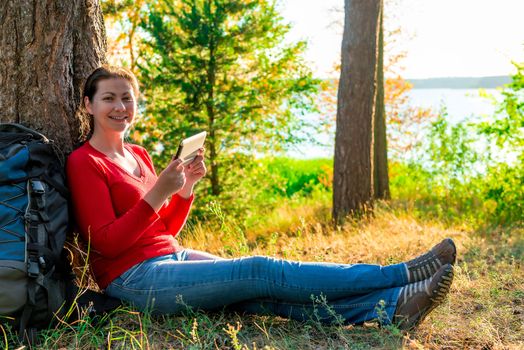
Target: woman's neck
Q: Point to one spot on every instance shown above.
(110, 146)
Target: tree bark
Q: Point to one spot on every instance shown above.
(381, 179)
(47, 49)
(210, 103)
(353, 168)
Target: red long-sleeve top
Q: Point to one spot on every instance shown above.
(122, 228)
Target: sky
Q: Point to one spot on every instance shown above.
(444, 38)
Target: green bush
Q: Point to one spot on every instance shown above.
(503, 194)
(259, 185)
(465, 172)
(299, 176)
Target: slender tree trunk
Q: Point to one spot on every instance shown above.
(215, 184)
(210, 105)
(353, 170)
(381, 180)
(47, 49)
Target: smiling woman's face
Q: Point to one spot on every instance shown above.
(113, 106)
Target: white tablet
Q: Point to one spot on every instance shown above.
(188, 148)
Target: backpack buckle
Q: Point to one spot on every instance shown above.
(33, 265)
(37, 187)
(33, 269)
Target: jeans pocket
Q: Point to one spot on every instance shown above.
(127, 277)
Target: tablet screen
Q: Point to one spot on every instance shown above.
(189, 147)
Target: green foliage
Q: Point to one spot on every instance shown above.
(503, 193)
(503, 184)
(258, 186)
(428, 196)
(299, 176)
(466, 173)
(450, 149)
(222, 66)
(507, 128)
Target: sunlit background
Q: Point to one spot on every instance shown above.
(442, 38)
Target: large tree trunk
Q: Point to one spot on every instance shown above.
(381, 179)
(47, 49)
(353, 169)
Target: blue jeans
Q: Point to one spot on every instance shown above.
(323, 291)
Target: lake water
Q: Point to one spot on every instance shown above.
(460, 104)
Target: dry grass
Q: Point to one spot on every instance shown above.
(485, 308)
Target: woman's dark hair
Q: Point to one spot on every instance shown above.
(90, 88)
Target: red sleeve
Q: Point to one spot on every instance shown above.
(174, 215)
(110, 236)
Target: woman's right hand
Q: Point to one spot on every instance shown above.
(172, 179)
(169, 182)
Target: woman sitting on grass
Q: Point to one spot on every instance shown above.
(131, 218)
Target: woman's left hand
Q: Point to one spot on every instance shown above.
(195, 170)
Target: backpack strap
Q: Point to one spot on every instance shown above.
(23, 330)
(21, 129)
(36, 239)
(36, 218)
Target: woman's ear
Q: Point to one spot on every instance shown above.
(87, 104)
